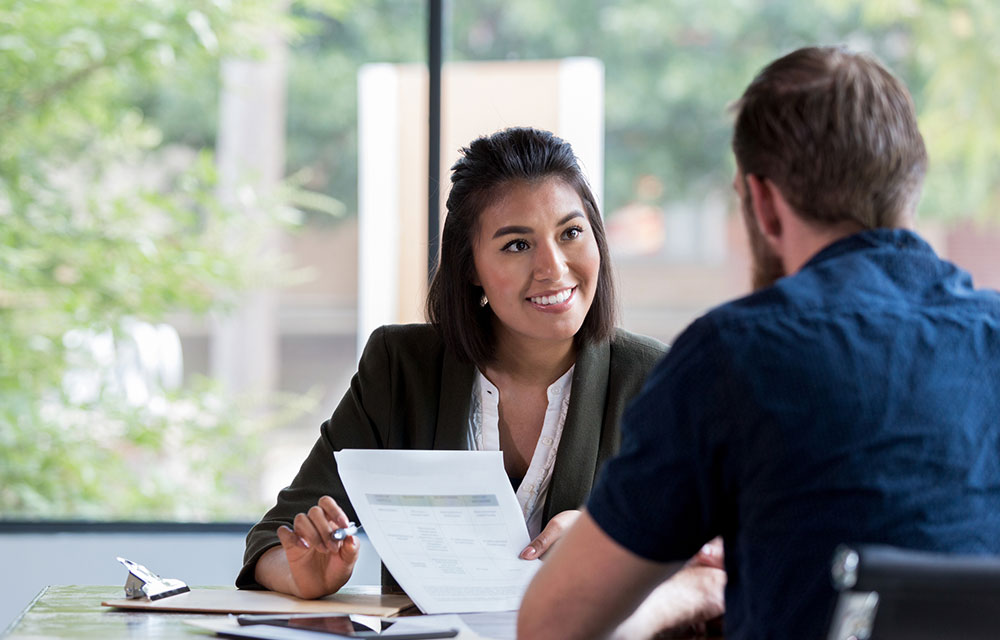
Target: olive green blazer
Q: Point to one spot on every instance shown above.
(410, 392)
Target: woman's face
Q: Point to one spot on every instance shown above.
(537, 260)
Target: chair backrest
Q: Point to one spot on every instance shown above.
(887, 593)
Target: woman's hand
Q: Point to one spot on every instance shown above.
(710, 555)
(554, 530)
(310, 563)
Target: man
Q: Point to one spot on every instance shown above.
(853, 398)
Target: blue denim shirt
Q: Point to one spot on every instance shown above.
(856, 401)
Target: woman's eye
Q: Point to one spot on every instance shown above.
(573, 233)
(515, 246)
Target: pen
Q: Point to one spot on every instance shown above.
(350, 530)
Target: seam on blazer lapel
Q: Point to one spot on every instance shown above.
(576, 458)
(453, 404)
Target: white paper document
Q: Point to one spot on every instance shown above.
(445, 523)
(501, 625)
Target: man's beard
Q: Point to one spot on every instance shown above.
(767, 267)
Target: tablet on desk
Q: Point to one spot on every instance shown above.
(334, 626)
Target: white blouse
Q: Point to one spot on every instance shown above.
(484, 435)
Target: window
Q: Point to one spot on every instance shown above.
(162, 265)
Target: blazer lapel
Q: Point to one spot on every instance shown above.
(453, 404)
(576, 459)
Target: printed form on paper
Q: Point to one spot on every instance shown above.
(446, 524)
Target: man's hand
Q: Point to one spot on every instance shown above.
(687, 600)
(310, 563)
(592, 587)
(690, 598)
(554, 530)
(586, 587)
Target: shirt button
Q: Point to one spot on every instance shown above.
(547, 441)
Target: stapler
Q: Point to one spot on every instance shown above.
(143, 583)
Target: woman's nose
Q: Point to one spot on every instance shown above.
(550, 262)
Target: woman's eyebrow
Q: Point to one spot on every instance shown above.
(570, 216)
(518, 230)
(512, 230)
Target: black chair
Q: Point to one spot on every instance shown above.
(886, 593)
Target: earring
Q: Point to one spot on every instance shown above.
(483, 300)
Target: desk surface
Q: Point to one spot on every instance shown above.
(69, 611)
(76, 612)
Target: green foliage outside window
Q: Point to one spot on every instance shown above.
(94, 93)
(99, 233)
(671, 68)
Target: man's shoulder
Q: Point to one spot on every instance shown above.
(882, 276)
(737, 314)
(802, 296)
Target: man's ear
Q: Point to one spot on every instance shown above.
(764, 198)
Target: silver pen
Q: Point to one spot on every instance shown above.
(350, 530)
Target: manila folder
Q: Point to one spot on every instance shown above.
(367, 600)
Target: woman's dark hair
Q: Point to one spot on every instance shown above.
(487, 168)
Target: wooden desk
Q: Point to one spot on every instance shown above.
(76, 612)
(61, 612)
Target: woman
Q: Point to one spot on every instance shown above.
(521, 355)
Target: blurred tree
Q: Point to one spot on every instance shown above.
(105, 229)
(333, 39)
(947, 51)
(103, 218)
(671, 70)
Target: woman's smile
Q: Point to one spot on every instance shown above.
(554, 302)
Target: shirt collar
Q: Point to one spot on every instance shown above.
(489, 396)
(870, 239)
(559, 388)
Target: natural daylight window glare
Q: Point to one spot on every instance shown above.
(206, 206)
